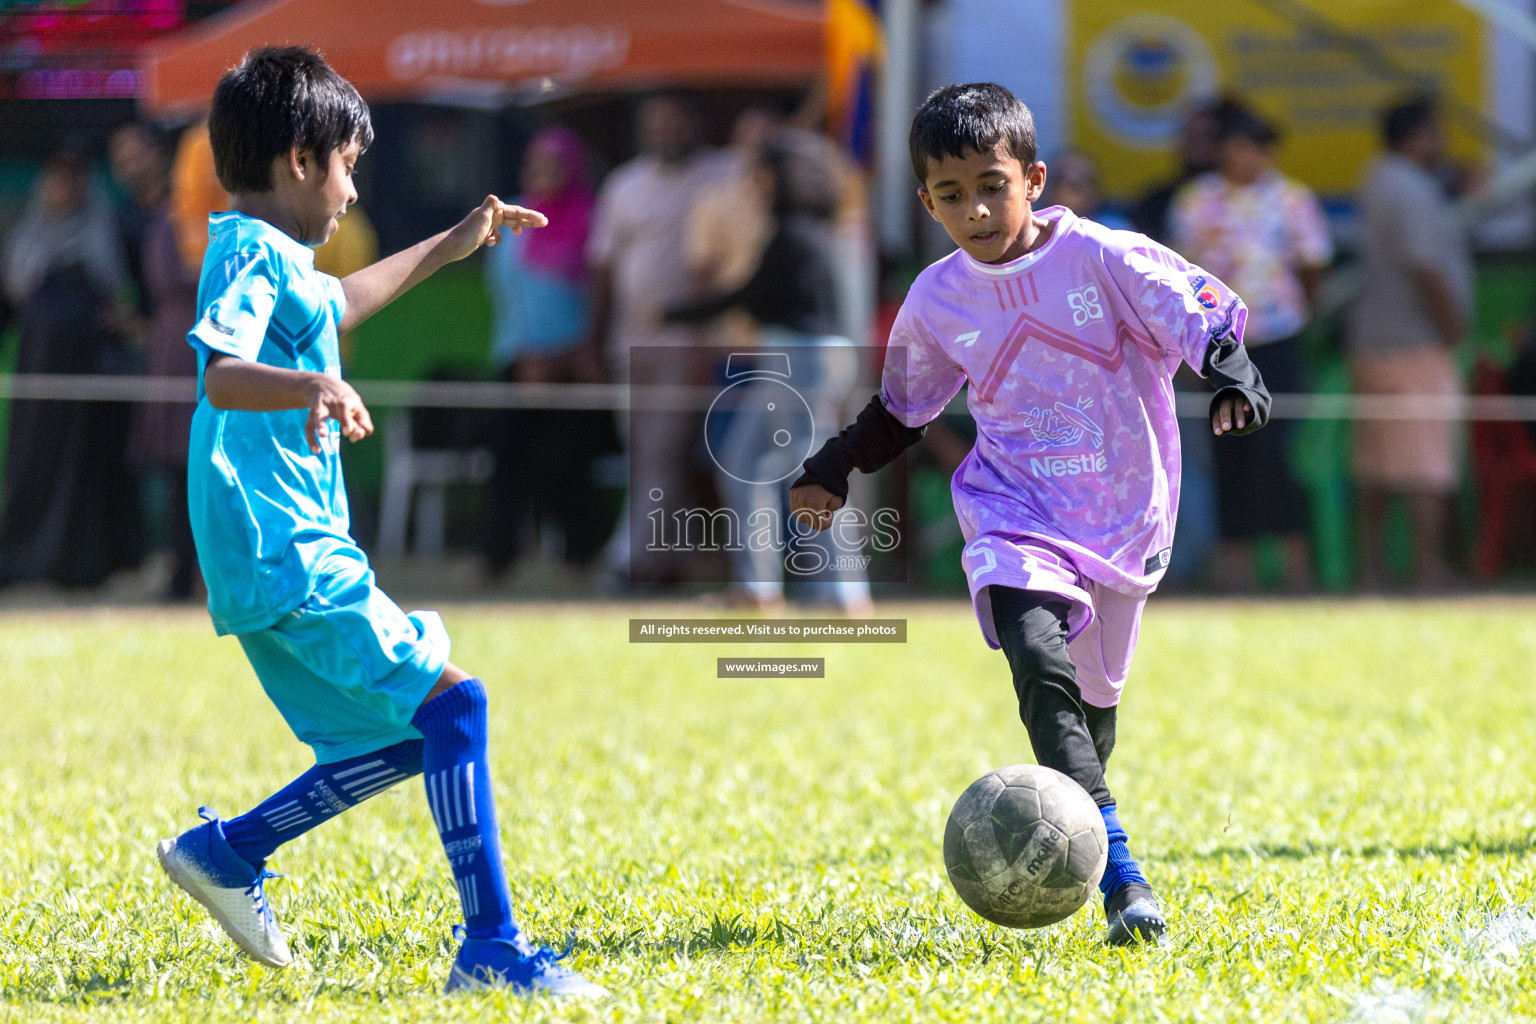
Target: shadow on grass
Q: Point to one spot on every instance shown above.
(1306, 851)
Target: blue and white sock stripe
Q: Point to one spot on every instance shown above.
(286, 816)
(469, 791)
(469, 894)
(345, 773)
(360, 786)
(451, 795)
(366, 786)
(437, 819)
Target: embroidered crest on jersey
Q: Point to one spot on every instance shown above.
(1085, 305)
(1205, 293)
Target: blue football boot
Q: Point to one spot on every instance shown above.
(514, 964)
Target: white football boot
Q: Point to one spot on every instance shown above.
(202, 863)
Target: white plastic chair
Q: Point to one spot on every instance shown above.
(431, 470)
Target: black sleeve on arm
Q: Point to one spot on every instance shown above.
(873, 440)
(1228, 368)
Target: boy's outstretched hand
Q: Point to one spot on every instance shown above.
(813, 504)
(1234, 412)
(372, 288)
(484, 226)
(333, 399)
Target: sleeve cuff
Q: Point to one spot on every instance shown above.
(213, 336)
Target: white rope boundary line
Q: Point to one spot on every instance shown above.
(59, 387)
(619, 397)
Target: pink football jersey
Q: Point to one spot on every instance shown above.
(1070, 352)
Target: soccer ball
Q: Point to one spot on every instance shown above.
(1025, 846)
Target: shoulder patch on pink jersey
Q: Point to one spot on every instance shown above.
(1205, 292)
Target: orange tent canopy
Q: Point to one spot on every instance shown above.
(397, 49)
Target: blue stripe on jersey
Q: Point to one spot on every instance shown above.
(312, 332)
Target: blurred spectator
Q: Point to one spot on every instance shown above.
(138, 167)
(70, 507)
(1520, 378)
(1073, 182)
(1411, 313)
(1197, 156)
(638, 243)
(167, 300)
(793, 295)
(195, 193)
(539, 288)
(1198, 522)
(1267, 238)
(730, 223)
(639, 267)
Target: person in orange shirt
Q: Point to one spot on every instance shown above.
(195, 193)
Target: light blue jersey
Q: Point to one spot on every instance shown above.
(344, 665)
(267, 513)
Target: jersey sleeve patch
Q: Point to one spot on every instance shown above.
(236, 321)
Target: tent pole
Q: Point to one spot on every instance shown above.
(897, 102)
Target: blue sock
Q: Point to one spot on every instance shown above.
(316, 796)
(1121, 868)
(459, 793)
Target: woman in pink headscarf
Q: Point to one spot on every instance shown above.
(542, 318)
(538, 283)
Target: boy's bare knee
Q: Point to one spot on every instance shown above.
(452, 676)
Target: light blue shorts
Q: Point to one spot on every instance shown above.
(347, 668)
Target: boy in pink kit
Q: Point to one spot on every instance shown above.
(1068, 334)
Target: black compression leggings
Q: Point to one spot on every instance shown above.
(1071, 736)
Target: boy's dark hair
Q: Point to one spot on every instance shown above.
(275, 99)
(1407, 119)
(1236, 120)
(975, 116)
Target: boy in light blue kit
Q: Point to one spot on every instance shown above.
(368, 687)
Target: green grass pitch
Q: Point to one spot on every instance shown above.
(1336, 801)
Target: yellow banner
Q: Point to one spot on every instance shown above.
(1323, 70)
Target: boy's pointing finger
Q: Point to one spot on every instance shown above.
(517, 218)
(531, 218)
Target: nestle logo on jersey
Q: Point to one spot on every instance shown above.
(1069, 465)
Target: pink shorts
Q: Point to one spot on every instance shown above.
(1103, 624)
